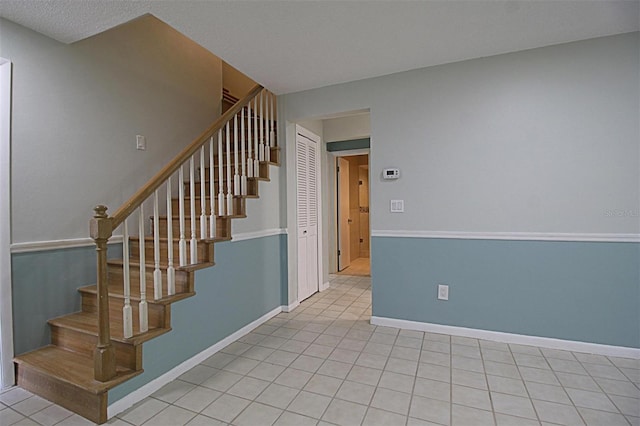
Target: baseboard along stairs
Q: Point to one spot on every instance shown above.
(187, 207)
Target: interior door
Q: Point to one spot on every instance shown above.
(307, 213)
(344, 242)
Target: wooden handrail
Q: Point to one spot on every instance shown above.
(167, 171)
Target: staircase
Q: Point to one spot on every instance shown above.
(100, 347)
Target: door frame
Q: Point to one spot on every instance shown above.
(7, 374)
(332, 241)
(342, 234)
(292, 218)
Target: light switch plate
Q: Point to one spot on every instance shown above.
(141, 143)
(397, 206)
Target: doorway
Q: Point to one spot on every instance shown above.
(6, 317)
(352, 201)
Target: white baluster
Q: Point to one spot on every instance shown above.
(256, 137)
(127, 315)
(192, 218)
(269, 116)
(212, 198)
(182, 244)
(229, 182)
(272, 121)
(171, 271)
(262, 124)
(203, 198)
(249, 142)
(236, 176)
(142, 307)
(157, 273)
(220, 171)
(243, 174)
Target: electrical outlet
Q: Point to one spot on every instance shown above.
(141, 143)
(443, 292)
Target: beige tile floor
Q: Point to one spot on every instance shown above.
(360, 267)
(325, 364)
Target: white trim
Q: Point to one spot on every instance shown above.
(117, 239)
(324, 286)
(146, 390)
(241, 236)
(291, 306)
(350, 152)
(58, 244)
(521, 339)
(516, 236)
(7, 375)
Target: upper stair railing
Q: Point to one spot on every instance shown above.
(251, 125)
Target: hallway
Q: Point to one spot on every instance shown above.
(360, 267)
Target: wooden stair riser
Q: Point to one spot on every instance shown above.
(252, 188)
(223, 227)
(239, 209)
(203, 249)
(159, 314)
(88, 405)
(128, 356)
(184, 279)
(274, 156)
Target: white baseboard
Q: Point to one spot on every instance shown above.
(521, 339)
(146, 390)
(324, 286)
(290, 307)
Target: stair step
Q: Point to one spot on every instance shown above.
(239, 206)
(87, 323)
(252, 188)
(223, 226)
(204, 248)
(115, 276)
(67, 379)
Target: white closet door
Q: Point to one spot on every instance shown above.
(307, 213)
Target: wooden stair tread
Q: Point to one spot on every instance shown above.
(71, 368)
(118, 292)
(87, 323)
(176, 238)
(229, 216)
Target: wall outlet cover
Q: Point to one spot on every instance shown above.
(443, 292)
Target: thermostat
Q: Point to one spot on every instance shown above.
(391, 174)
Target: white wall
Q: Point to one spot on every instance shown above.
(544, 140)
(347, 128)
(78, 108)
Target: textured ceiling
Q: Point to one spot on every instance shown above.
(295, 45)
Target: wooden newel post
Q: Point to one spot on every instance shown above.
(104, 356)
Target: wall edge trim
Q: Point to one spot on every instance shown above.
(515, 236)
(290, 307)
(58, 244)
(147, 389)
(522, 339)
(241, 236)
(46, 245)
